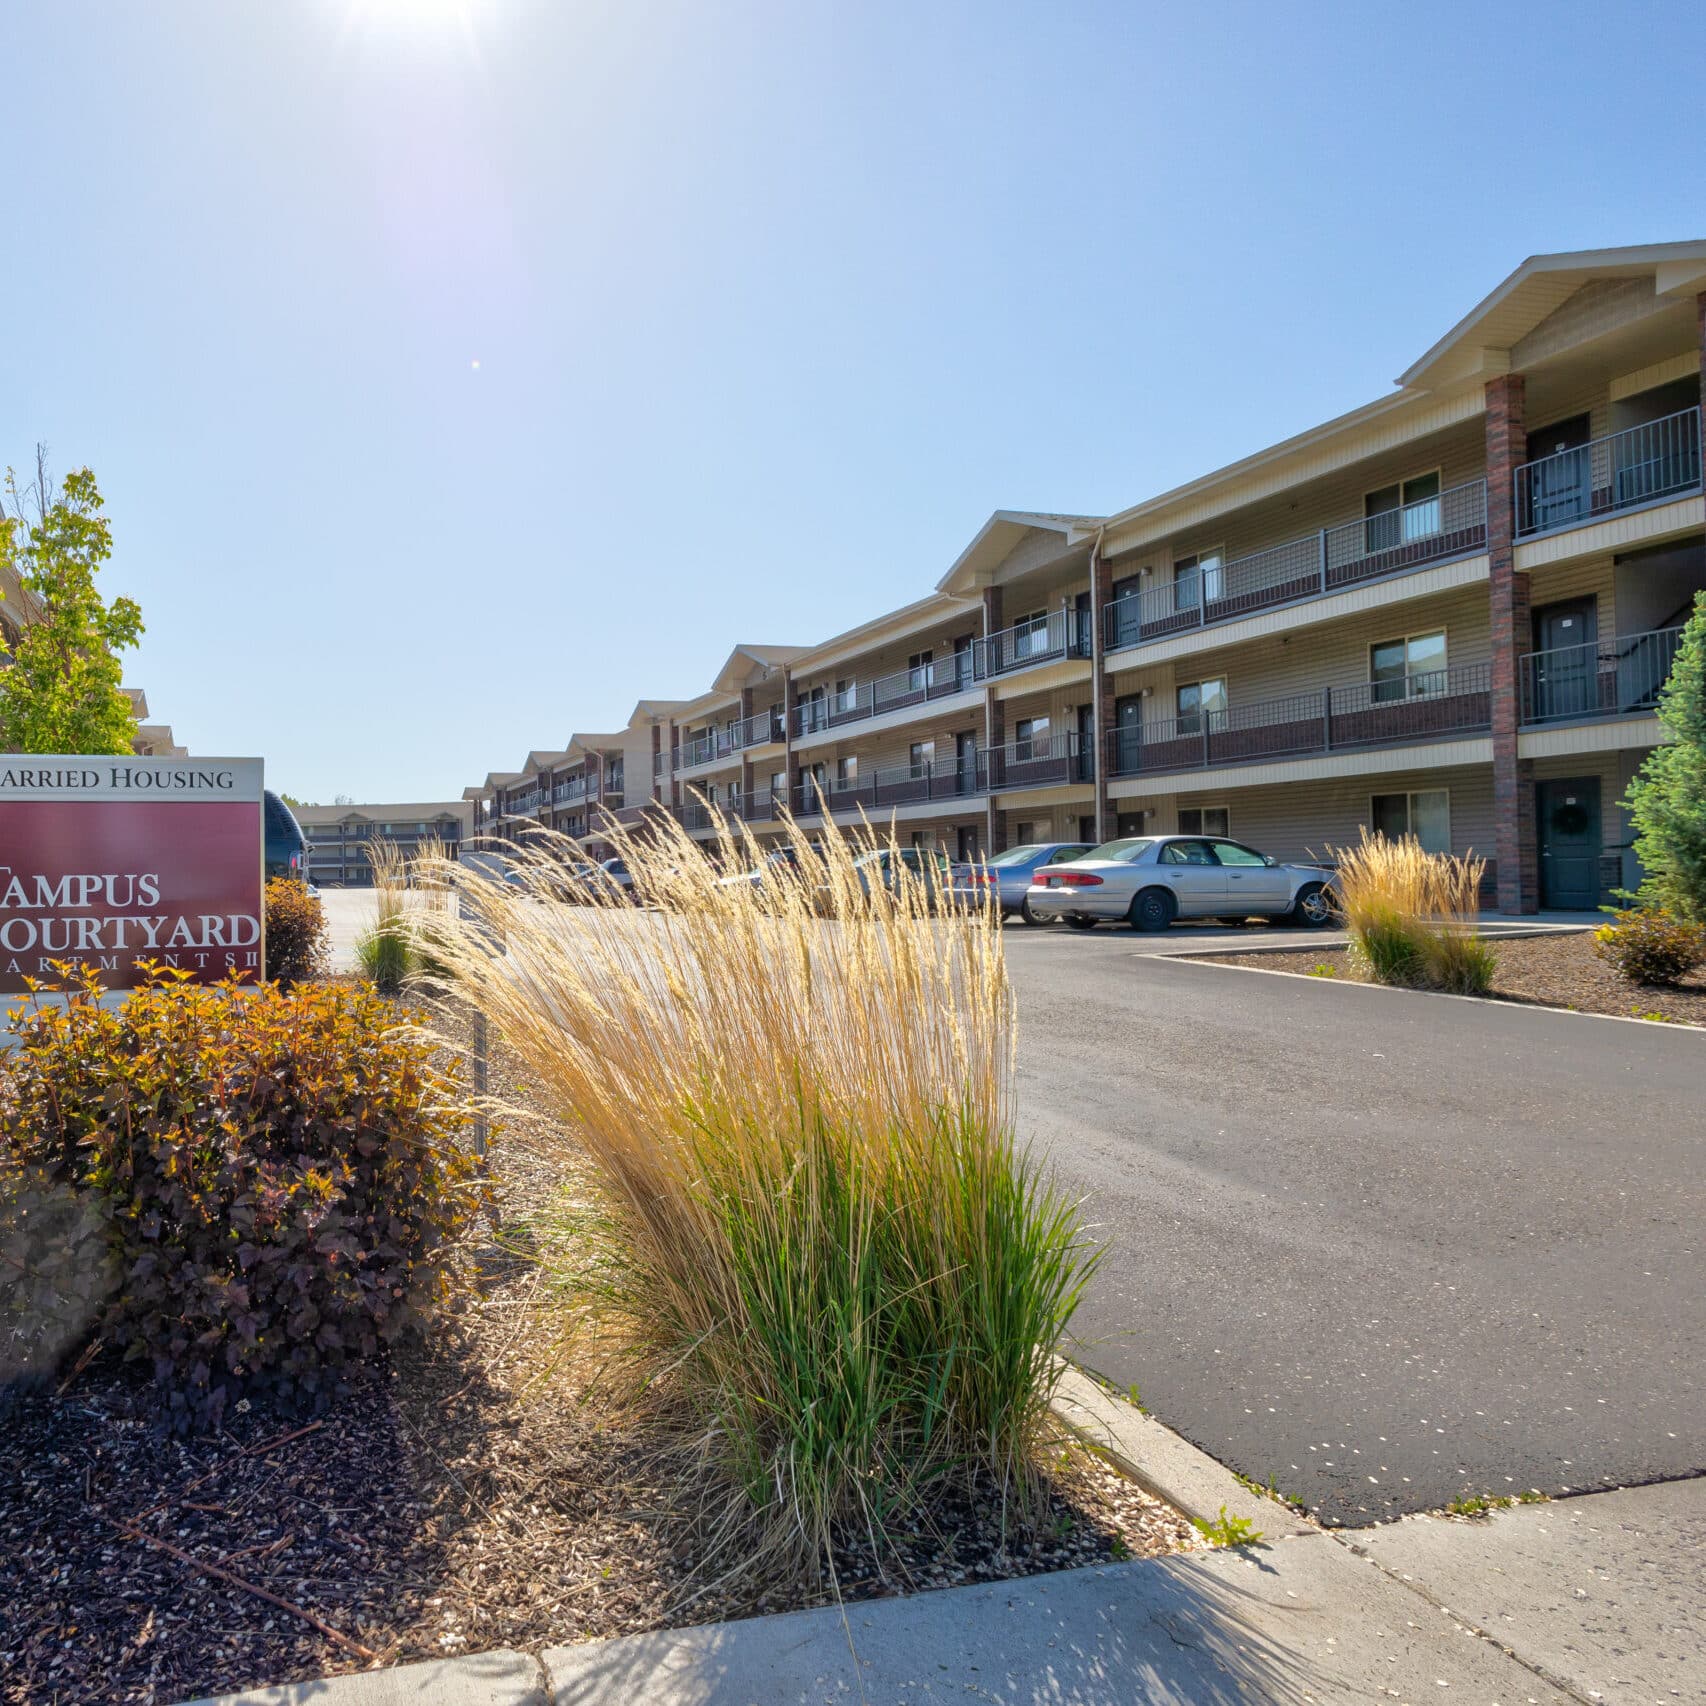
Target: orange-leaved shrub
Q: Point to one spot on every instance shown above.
(296, 931)
(1649, 945)
(253, 1190)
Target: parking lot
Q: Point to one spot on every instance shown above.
(1384, 1248)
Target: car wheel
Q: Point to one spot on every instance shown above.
(1313, 907)
(1152, 909)
(1026, 916)
(1082, 923)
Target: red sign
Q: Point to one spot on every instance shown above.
(108, 862)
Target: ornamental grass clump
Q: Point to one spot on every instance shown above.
(817, 1240)
(1412, 916)
(385, 951)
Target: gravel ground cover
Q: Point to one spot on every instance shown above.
(460, 1499)
(1551, 971)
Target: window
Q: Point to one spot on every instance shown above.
(846, 771)
(921, 754)
(1196, 698)
(1030, 737)
(1399, 513)
(779, 783)
(918, 669)
(1425, 815)
(1028, 834)
(1205, 820)
(1030, 634)
(1406, 668)
(1187, 853)
(846, 694)
(1233, 854)
(1198, 579)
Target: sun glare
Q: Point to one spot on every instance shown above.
(422, 19)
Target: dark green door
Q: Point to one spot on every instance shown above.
(1567, 816)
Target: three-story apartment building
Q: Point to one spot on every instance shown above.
(1447, 613)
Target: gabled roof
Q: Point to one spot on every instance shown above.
(653, 711)
(1540, 285)
(739, 665)
(997, 537)
(584, 743)
(543, 760)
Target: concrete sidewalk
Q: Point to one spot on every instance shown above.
(1592, 1599)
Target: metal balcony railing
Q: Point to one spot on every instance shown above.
(1642, 464)
(758, 730)
(896, 785)
(917, 685)
(1044, 639)
(1045, 761)
(1450, 525)
(565, 793)
(1375, 713)
(661, 761)
(1605, 678)
(701, 749)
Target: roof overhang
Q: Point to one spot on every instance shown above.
(1479, 345)
(994, 542)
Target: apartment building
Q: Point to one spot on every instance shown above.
(1447, 613)
(340, 837)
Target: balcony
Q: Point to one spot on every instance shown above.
(566, 793)
(1375, 713)
(1453, 524)
(1619, 677)
(757, 730)
(900, 785)
(918, 685)
(1044, 639)
(1625, 470)
(702, 749)
(1046, 761)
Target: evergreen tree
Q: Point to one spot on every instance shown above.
(1667, 800)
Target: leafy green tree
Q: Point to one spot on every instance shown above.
(60, 687)
(1667, 800)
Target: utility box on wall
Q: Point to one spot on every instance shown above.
(107, 862)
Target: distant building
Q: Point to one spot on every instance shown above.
(153, 740)
(339, 836)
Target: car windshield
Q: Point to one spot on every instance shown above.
(1027, 855)
(1123, 851)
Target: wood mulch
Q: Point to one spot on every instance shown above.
(454, 1501)
(1548, 971)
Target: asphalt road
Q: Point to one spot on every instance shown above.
(1385, 1248)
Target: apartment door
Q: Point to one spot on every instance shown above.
(1560, 475)
(1567, 818)
(1080, 636)
(962, 661)
(1565, 667)
(965, 763)
(965, 843)
(1128, 734)
(1083, 765)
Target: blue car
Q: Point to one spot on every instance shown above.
(1006, 879)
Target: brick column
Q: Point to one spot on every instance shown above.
(657, 747)
(746, 704)
(790, 765)
(994, 729)
(1102, 693)
(1512, 635)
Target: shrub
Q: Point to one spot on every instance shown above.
(384, 952)
(1648, 945)
(278, 1177)
(1412, 916)
(816, 1230)
(1667, 799)
(296, 931)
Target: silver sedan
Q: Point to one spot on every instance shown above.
(1149, 880)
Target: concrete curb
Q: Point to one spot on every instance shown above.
(1222, 963)
(1163, 1463)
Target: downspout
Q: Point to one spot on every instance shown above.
(1098, 672)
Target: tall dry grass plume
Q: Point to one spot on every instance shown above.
(818, 1241)
(1413, 916)
(384, 950)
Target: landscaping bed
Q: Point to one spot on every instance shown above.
(1548, 971)
(469, 1495)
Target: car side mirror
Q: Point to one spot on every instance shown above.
(1269, 860)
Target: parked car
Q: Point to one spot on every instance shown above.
(1149, 880)
(1007, 877)
(773, 866)
(886, 868)
(612, 873)
(285, 847)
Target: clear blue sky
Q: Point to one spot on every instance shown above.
(771, 305)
